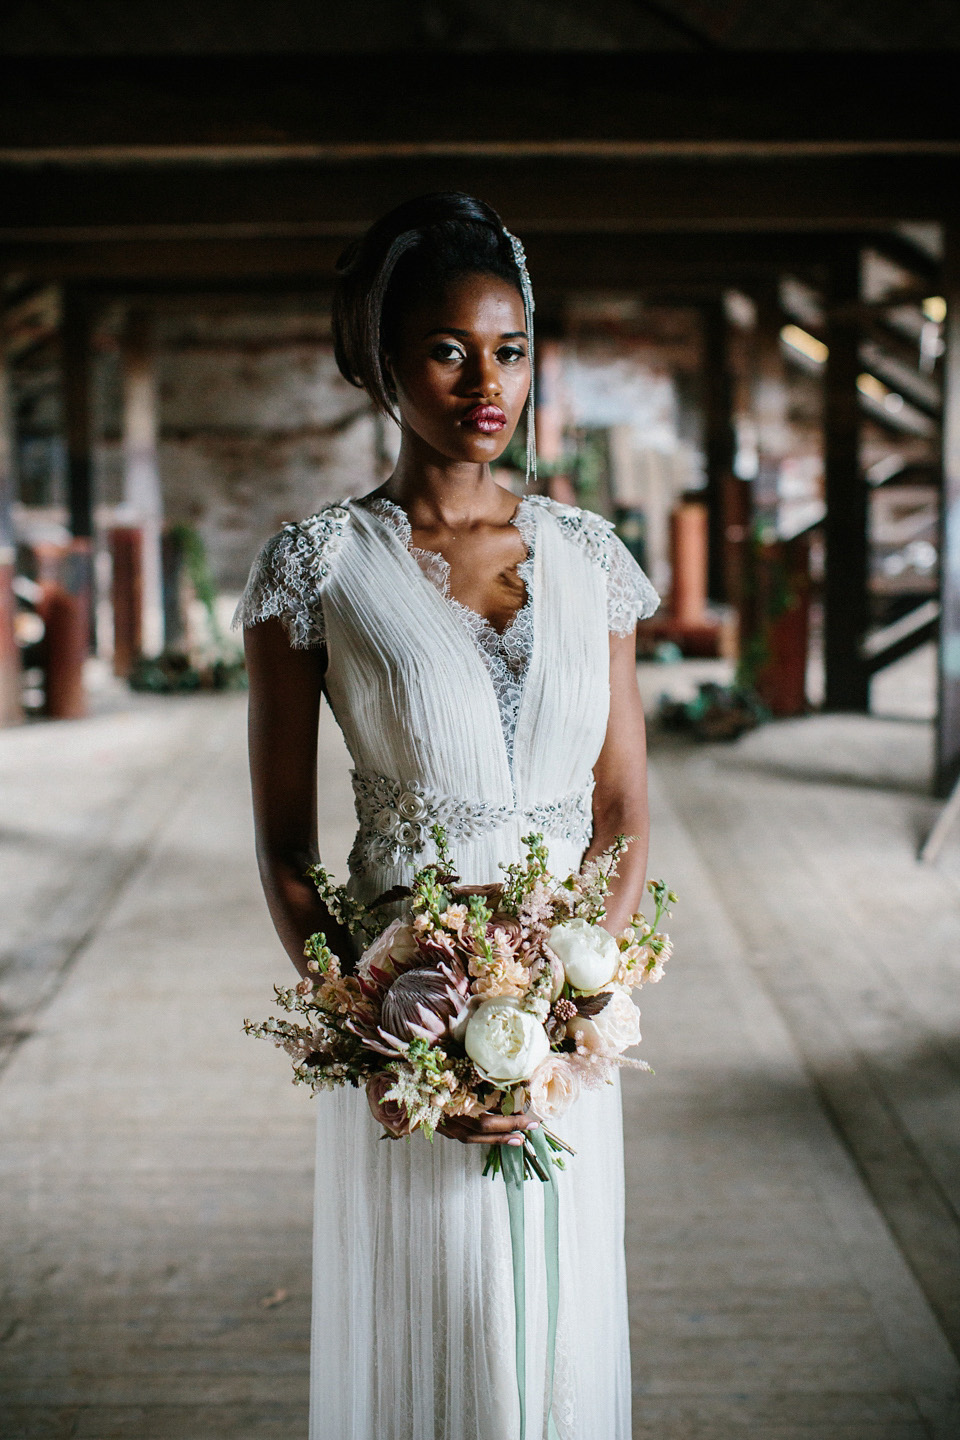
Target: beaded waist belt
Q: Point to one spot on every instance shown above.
(395, 817)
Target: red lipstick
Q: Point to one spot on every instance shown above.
(488, 419)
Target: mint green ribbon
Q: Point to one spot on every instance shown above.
(511, 1166)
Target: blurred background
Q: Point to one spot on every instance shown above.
(743, 228)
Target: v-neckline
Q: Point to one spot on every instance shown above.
(435, 567)
(506, 656)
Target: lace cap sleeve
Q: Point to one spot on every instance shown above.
(630, 596)
(287, 578)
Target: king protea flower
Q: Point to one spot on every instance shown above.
(423, 1005)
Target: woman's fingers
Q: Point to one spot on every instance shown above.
(488, 1129)
(499, 1124)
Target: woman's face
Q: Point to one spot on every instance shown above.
(461, 370)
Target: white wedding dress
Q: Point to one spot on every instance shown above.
(494, 736)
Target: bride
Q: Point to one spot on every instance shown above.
(478, 655)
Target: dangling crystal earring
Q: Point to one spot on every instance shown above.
(526, 290)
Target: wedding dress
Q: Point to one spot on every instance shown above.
(495, 736)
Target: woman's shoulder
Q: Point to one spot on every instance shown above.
(288, 575)
(585, 528)
(630, 595)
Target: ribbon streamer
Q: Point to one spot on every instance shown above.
(512, 1169)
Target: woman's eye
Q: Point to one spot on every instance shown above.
(510, 354)
(446, 351)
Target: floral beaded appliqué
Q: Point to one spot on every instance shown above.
(395, 817)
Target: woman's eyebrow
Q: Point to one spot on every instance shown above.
(452, 330)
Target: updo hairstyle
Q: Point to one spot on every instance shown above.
(408, 256)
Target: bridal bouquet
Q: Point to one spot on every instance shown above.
(479, 999)
(500, 998)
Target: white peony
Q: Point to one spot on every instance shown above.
(614, 1030)
(505, 1042)
(554, 1086)
(588, 953)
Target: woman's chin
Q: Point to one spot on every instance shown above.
(475, 449)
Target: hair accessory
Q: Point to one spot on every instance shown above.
(526, 290)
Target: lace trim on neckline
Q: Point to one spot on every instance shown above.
(506, 654)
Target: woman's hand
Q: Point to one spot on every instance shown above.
(488, 1129)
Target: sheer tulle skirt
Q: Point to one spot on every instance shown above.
(413, 1325)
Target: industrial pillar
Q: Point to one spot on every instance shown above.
(11, 712)
(728, 499)
(948, 710)
(68, 606)
(845, 587)
(769, 400)
(143, 499)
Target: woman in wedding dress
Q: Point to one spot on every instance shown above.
(478, 655)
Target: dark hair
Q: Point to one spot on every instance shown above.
(409, 254)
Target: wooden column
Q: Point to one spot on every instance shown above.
(69, 613)
(11, 712)
(143, 499)
(770, 399)
(76, 334)
(948, 713)
(845, 595)
(728, 518)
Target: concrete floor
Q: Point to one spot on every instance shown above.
(793, 1166)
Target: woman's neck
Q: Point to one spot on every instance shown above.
(435, 490)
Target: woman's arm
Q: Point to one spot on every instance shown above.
(620, 796)
(285, 692)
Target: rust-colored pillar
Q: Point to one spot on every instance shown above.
(126, 549)
(11, 712)
(65, 611)
(689, 549)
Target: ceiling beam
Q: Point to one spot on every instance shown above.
(511, 103)
(299, 200)
(690, 262)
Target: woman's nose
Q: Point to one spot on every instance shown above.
(486, 378)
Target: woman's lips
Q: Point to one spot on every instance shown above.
(486, 418)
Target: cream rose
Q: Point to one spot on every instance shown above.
(588, 953)
(506, 1043)
(554, 1086)
(614, 1030)
(396, 943)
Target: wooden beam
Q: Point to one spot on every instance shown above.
(948, 718)
(691, 263)
(510, 103)
(298, 200)
(845, 526)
